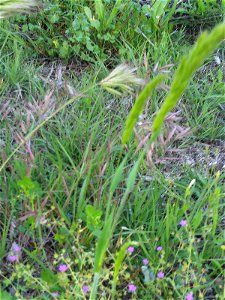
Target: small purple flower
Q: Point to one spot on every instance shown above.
(132, 288)
(62, 268)
(55, 294)
(145, 261)
(16, 248)
(183, 223)
(12, 258)
(160, 275)
(159, 248)
(189, 296)
(130, 249)
(85, 289)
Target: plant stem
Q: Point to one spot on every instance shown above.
(94, 286)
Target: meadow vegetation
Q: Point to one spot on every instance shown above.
(112, 149)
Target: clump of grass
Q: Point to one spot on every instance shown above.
(121, 79)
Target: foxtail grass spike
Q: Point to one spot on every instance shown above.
(204, 46)
(139, 106)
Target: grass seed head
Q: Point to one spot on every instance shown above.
(122, 79)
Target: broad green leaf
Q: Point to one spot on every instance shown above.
(93, 218)
(158, 8)
(49, 277)
(88, 13)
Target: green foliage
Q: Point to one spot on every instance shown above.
(91, 30)
(193, 13)
(69, 29)
(93, 219)
(159, 14)
(100, 253)
(30, 189)
(50, 278)
(102, 244)
(6, 296)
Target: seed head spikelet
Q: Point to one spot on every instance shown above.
(205, 45)
(121, 79)
(139, 106)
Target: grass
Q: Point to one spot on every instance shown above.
(74, 198)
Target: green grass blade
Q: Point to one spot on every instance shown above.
(82, 197)
(130, 185)
(139, 106)
(99, 9)
(118, 176)
(102, 244)
(100, 253)
(114, 12)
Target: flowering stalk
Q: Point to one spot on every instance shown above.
(205, 45)
(139, 106)
(121, 79)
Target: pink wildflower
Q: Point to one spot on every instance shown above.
(183, 223)
(189, 296)
(12, 258)
(160, 275)
(159, 248)
(55, 294)
(16, 248)
(132, 288)
(130, 249)
(85, 289)
(62, 268)
(145, 261)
